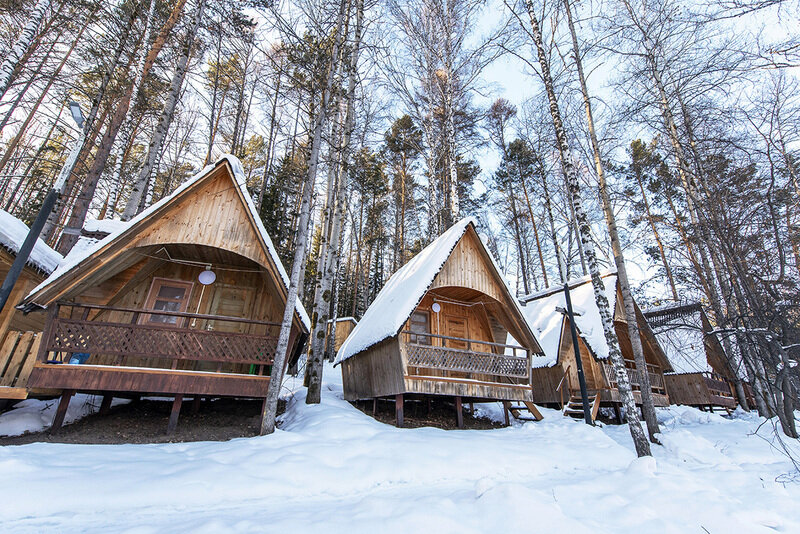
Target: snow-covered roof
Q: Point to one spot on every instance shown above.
(546, 322)
(104, 226)
(402, 293)
(75, 258)
(12, 235)
(685, 348)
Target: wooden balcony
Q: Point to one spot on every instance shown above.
(444, 358)
(185, 354)
(657, 386)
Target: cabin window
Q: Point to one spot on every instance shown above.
(420, 324)
(167, 295)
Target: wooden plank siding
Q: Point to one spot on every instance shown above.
(377, 372)
(18, 351)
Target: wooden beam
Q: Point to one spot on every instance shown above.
(398, 410)
(61, 412)
(459, 413)
(173, 416)
(105, 406)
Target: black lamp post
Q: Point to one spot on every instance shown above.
(49, 203)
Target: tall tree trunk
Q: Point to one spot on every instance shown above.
(84, 199)
(164, 121)
(651, 221)
(648, 407)
(33, 77)
(13, 56)
(333, 249)
(565, 154)
(296, 280)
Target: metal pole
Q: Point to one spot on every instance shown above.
(587, 412)
(50, 200)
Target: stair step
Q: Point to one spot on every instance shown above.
(525, 418)
(517, 407)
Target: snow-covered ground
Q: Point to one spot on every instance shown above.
(333, 469)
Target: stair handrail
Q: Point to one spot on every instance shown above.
(561, 383)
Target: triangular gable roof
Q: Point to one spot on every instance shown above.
(681, 329)
(549, 325)
(406, 288)
(71, 268)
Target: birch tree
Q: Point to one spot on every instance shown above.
(648, 408)
(295, 281)
(585, 241)
(157, 139)
(14, 56)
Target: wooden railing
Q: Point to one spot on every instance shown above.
(635, 378)
(66, 335)
(564, 387)
(470, 359)
(717, 386)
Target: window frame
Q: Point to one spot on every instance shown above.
(152, 295)
(419, 337)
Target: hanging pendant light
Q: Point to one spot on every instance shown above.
(207, 277)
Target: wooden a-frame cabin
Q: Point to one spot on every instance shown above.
(701, 374)
(20, 334)
(439, 327)
(555, 378)
(185, 300)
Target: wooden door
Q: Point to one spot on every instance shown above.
(457, 327)
(230, 301)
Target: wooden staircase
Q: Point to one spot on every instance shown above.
(574, 408)
(517, 410)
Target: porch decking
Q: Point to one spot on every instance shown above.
(172, 358)
(701, 389)
(468, 368)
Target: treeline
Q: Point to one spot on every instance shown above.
(658, 134)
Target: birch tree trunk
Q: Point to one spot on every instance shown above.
(648, 408)
(119, 148)
(14, 55)
(330, 264)
(52, 221)
(164, 121)
(565, 154)
(82, 203)
(279, 364)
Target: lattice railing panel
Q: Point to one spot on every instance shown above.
(144, 340)
(446, 359)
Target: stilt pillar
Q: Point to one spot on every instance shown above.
(61, 412)
(459, 413)
(398, 410)
(173, 416)
(105, 406)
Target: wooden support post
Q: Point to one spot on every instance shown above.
(505, 413)
(61, 412)
(398, 410)
(471, 407)
(459, 413)
(196, 404)
(105, 406)
(374, 406)
(173, 416)
(430, 407)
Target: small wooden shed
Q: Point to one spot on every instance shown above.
(701, 374)
(20, 334)
(341, 326)
(555, 378)
(185, 300)
(439, 327)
